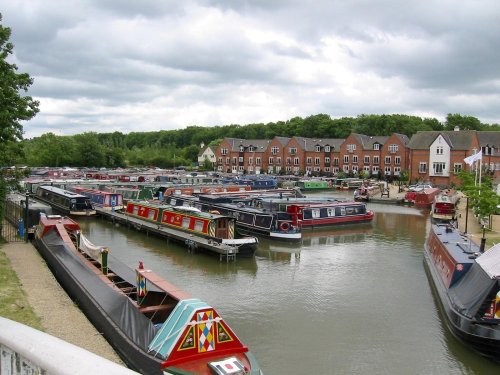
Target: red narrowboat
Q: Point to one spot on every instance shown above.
(329, 214)
(444, 207)
(424, 198)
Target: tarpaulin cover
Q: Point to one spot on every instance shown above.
(115, 305)
(490, 261)
(468, 294)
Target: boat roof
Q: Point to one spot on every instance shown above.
(490, 261)
(459, 246)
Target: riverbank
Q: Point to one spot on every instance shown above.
(59, 316)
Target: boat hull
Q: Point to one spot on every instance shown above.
(60, 262)
(482, 337)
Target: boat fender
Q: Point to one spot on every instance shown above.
(284, 227)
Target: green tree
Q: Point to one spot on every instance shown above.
(90, 152)
(14, 108)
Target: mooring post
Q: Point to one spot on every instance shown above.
(26, 216)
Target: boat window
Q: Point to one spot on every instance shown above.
(186, 221)
(136, 210)
(198, 225)
(323, 212)
(331, 211)
(306, 214)
(245, 218)
(173, 201)
(315, 213)
(151, 215)
(340, 211)
(263, 221)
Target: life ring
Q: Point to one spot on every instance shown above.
(284, 227)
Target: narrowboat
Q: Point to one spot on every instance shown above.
(15, 211)
(425, 197)
(444, 207)
(131, 193)
(467, 285)
(214, 226)
(249, 220)
(326, 214)
(367, 191)
(100, 198)
(65, 201)
(313, 185)
(421, 198)
(155, 327)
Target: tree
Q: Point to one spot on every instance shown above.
(14, 108)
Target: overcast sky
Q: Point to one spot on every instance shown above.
(149, 65)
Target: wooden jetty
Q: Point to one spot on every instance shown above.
(191, 241)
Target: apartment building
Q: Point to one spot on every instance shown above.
(438, 156)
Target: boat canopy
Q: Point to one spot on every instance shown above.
(490, 261)
(468, 293)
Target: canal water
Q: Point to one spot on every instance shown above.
(353, 300)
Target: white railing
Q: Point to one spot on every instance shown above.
(25, 350)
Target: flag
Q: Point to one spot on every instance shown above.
(471, 159)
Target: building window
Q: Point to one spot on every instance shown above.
(457, 167)
(318, 148)
(275, 150)
(250, 160)
(308, 160)
(397, 171)
(336, 169)
(327, 148)
(257, 160)
(351, 148)
(327, 160)
(487, 150)
(355, 158)
(376, 146)
(242, 149)
(234, 160)
(422, 167)
(393, 148)
(376, 160)
(223, 151)
(387, 160)
(288, 161)
(219, 160)
(375, 169)
(316, 161)
(327, 169)
(295, 161)
(367, 160)
(438, 168)
(251, 149)
(240, 159)
(278, 160)
(271, 160)
(227, 161)
(366, 169)
(346, 159)
(346, 169)
(293, 150)
(439, 150)
(397, 160)
(335, 161)
(387, 171)
(240, 168)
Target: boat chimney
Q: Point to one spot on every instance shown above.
(141, 265)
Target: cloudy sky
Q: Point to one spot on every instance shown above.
(123, 65)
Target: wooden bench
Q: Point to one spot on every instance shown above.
(384, 193)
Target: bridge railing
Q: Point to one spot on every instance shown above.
(25, 350)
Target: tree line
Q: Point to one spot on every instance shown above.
(170, 148)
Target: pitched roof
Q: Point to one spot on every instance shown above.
(491, 139)
(367, 141)
(458, 140)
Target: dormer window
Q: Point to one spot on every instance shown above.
(376, 146)
(327, 148)
(318, 148)
(251, 149)
(242, 149)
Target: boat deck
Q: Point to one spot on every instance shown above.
(192, 241)
(457, 244)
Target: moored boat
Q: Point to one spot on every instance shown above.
(216, 227)
(422, 198)
(154, 326)
(100, 198)
(249, 220)
(65, 201)
(468, 287)
(329, 214)
(444, 207)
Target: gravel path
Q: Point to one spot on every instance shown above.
(59, 315)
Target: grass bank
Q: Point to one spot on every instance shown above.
(14, 304)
